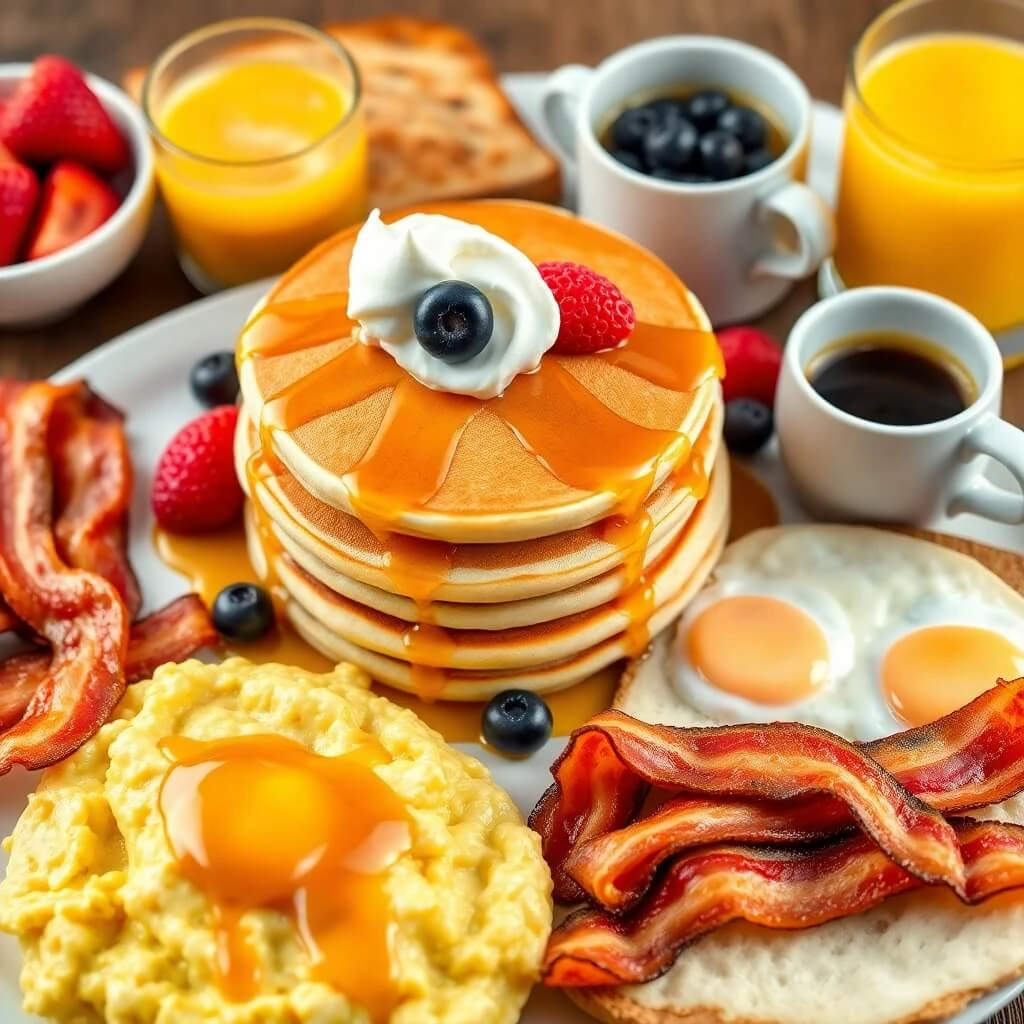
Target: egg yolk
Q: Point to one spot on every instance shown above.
(933, 671)
(260, 822)
(759, 648)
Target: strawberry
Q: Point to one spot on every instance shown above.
(19, 194)
(194, 487)
(54, 115)
(752, 361)
(594, 314)
(75, 203)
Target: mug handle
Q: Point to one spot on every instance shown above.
(559, 101)
(1005, 443)
(812, 223)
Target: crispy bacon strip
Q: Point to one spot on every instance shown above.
(779, 888)
(92, 473)
(172, 634)
(610, 764)
(968, 759)
(80, 614)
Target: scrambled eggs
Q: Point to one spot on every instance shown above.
(113, 933)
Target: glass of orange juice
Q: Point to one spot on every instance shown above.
(931, 191)
(261, 146)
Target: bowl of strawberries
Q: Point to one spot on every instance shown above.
(76, 188)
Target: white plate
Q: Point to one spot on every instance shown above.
(145, 373)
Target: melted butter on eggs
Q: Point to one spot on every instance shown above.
(261, 823)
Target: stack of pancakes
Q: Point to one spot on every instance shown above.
(423, 537)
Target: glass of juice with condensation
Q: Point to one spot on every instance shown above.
(261, 146)
(931, 191)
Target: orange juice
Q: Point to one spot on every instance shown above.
(261, 147)
(932, 185)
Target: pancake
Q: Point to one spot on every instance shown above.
(327, 624)
(341, 552)
(365, 438)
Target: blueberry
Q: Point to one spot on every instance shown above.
(747, 125)
(681, 177)
(631, 160)
(243, 611)
(705, 108)
(748, 425)
(721, 155)
(667, 109)
(453, 321)
(214, 380)
(516, 722)
(757, 160)
(671, 145)
(631, 127)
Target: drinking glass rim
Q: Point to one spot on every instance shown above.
(917, 153)
(280, 24)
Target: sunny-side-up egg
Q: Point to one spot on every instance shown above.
(860, 631)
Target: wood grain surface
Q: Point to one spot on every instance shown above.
(109, 36)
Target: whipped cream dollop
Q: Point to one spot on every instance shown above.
(392, 266)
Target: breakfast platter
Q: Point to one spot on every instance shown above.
(451, 618)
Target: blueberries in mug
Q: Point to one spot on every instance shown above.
(672, 145)
(630, 128)
(747, 125)
(757, 160)
(706, 107)
(706, 138)
(631, 160)
(721, 155)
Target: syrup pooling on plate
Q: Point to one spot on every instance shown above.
(261, 823)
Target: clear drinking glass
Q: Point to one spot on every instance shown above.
(932, 184)
(260, 146)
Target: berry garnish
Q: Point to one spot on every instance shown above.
(667, 108)
(453, 321)
(706, 107)
(19, 193)
(516, 723)
(54, 115)
(75, 202)
(194, 486)
(721, 155)
(671, 146)
(630, 128)
(243, 612)
(748, 425)
(752, 360)
(593, 314)
(214, 380)
(747, 125)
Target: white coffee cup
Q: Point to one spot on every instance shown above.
(844, 467)
(737, 244)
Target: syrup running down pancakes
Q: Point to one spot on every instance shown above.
(455, 545)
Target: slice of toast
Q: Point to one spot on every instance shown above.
(916, 958)
(439, 125)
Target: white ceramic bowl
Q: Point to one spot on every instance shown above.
(46, 290)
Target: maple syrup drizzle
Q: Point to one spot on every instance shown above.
(589, 447)
(259, 822)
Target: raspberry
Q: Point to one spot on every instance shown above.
(752, 361)
(595, 315)
(194, 486)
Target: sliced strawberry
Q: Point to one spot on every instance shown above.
(19, 194)
(75, 203)
(54, 115)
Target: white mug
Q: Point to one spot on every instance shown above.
(738, 244)
(844, 467)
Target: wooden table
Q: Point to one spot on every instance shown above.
(108, 36)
